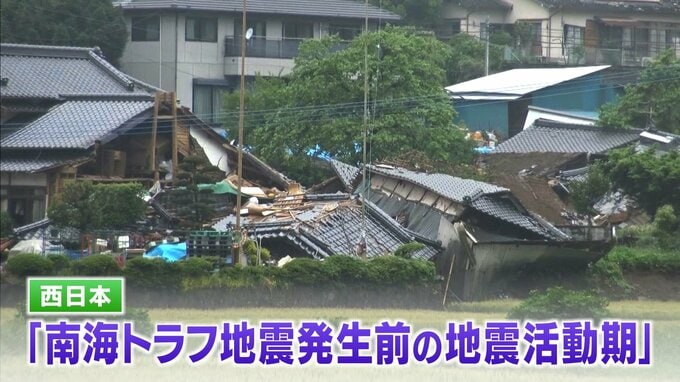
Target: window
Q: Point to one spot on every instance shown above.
(208, 102)
(573, 39)
(346, 32)
(298, 30)
(145, 28)
(201, 29)
(24, 204)
(259, 28)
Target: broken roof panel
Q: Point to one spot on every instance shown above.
(505, 210)
(346, 173)
(451, 187)
(78, 123)
(550, 136)
(513, 84)
(333, 227)
(48, 72)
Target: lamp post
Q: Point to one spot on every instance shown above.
(245, 35)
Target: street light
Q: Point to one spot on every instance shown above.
(245, 35)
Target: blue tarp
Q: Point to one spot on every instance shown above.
(169, 252)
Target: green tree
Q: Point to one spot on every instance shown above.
(318, 108)
(84, 23)
(658, 91)
(585, 193)
(88, 206)
(468, 57)
(653, 180)
(414, 12)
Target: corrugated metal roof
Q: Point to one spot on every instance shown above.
(320, 8)
(550, 136)
(513, 84)
(451, 187)
(38, 161)
(35, 71)
(78, 123)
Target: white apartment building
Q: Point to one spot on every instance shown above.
(194, 47)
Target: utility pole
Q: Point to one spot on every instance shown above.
(239, 250)
(486, 55)
(363, 245)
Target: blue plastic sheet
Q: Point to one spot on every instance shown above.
(170, 252)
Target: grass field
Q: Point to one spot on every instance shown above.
(666, 337)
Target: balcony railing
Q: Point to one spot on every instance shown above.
(258, 46)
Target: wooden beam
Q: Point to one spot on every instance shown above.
(154, 133)
(174, 137)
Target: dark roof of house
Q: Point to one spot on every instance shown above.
(44, 229)
(557, 137)
(21, 161)
(79, 122)
(451, 187)
(319, 8)
(633, 6)
(333, 227)
(346, 173)
(486, 4)
(48, 72)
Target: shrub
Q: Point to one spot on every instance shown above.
(152, 274)
(29, 264)
(405, 251)
(195, 267)
(394, 270)
(346, 269)
(665, 220)
(250, 249)
(306, 272)
(560, 303)
(96, 265)
(6, 224)
(59, 262)
(645, 259)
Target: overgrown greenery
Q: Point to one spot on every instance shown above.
(83, 23)
(6, 224)
(29, 265)
(467, 58)
(560, 303)
(88, 206)
(585, 193)
(652, 180)
(658, 91)
(414, 12)
(318, 108)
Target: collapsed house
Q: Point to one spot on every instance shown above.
(68, 114)
(539, 163)
(485, 232)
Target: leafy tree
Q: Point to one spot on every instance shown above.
(585, 193)
(653, 180)
(467, 58)
(318, 108)
(87, 206)
(658, 90)
(84, 23)
(414, 12)
(6, 224)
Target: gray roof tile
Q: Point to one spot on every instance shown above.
(346, 173)
(548, 136)
(504, 209)
(48, 72)
(78, 123)
(38, 161)
(319, 8)
(451, 187)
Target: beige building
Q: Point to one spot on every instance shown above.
(193, 47)
(575, 32)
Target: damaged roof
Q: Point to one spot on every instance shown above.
(79, 122)
(346, 173)
(49, 72)
(549, 136)
(331, 225)
(46, 230)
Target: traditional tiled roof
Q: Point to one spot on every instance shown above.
(451, 187)
(38, 161)
(549, 136)
(45, 229)
(334, 227)
(318, 8)
(79, 122)
(346, 173)
(47, 72)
